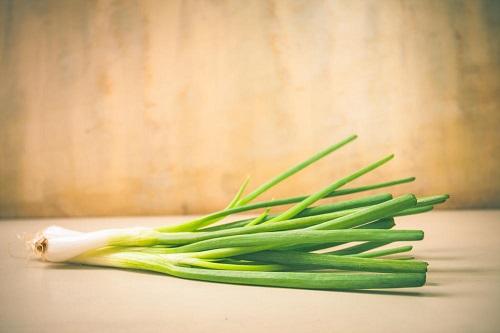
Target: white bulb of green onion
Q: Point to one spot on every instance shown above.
(57, 244)
(57, 231)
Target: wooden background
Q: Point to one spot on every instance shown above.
(156, 107)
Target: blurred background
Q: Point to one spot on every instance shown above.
(163, 107)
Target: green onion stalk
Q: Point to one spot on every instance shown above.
(344, 245)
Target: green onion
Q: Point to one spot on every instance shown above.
(385, 252)
(280, 202)
(292, 237)
(336, 207)
(199, 223)
(322, 193)
(338, 262)
(264, 187)
(302, 280)
(259, 219)
(269, 249)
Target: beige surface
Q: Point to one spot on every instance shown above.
(462, 293)
(163, 107)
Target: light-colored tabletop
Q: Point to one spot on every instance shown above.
(462, 293)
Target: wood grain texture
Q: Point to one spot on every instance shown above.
(156, 107)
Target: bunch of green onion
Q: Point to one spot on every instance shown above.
(329, 246)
